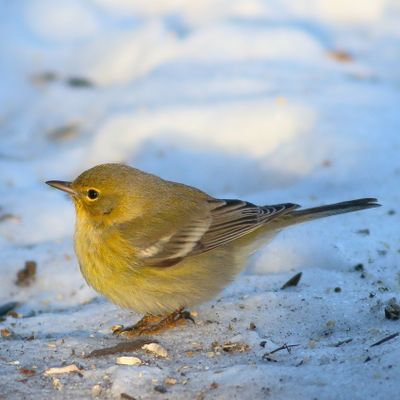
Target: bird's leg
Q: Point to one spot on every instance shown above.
(154, 324)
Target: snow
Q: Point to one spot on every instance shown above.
(267, 101)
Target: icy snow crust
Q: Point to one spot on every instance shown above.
(278, 101)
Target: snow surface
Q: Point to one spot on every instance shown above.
(269, 101)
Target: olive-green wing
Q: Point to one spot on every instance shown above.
(225, 221)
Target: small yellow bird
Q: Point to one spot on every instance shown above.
(158, 247)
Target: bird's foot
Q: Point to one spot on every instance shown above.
(154, 324)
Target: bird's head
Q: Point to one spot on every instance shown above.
(109, 192)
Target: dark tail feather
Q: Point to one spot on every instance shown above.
(309, 214)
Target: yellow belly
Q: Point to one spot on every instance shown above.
(110, 266)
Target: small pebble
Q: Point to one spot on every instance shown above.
(359, 267)
(57, 384)
(214, 385)
(160, 389)
(392, 310)
(96, 390)
(312, 344)
(127, 396)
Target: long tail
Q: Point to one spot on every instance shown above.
(309, 214)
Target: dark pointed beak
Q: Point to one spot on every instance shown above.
(62, 185)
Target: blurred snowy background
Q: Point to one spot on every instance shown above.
(270, 101)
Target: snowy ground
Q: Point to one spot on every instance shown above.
(268, 101)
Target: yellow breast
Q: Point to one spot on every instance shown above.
(106, 260)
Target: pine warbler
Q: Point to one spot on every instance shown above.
(158, 247)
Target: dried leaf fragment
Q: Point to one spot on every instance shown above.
(292, 281)
(122, 347)
(62, 370)
(340, 56)
(43, 78)
(230, 347)
(64, 133)
(27, 371)
(156, 349)
(170, 381)
(26, 275)
(79, 82)
(127, 396)
(5, 332)
(128, 360)
(363, 232)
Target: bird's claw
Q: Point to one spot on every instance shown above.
(151, 325)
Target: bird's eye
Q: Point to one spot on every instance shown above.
(92, 194)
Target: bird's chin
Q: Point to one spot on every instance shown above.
(91, 216)
(79, 207)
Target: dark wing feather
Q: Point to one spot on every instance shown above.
(226, 221)
(232, 219)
